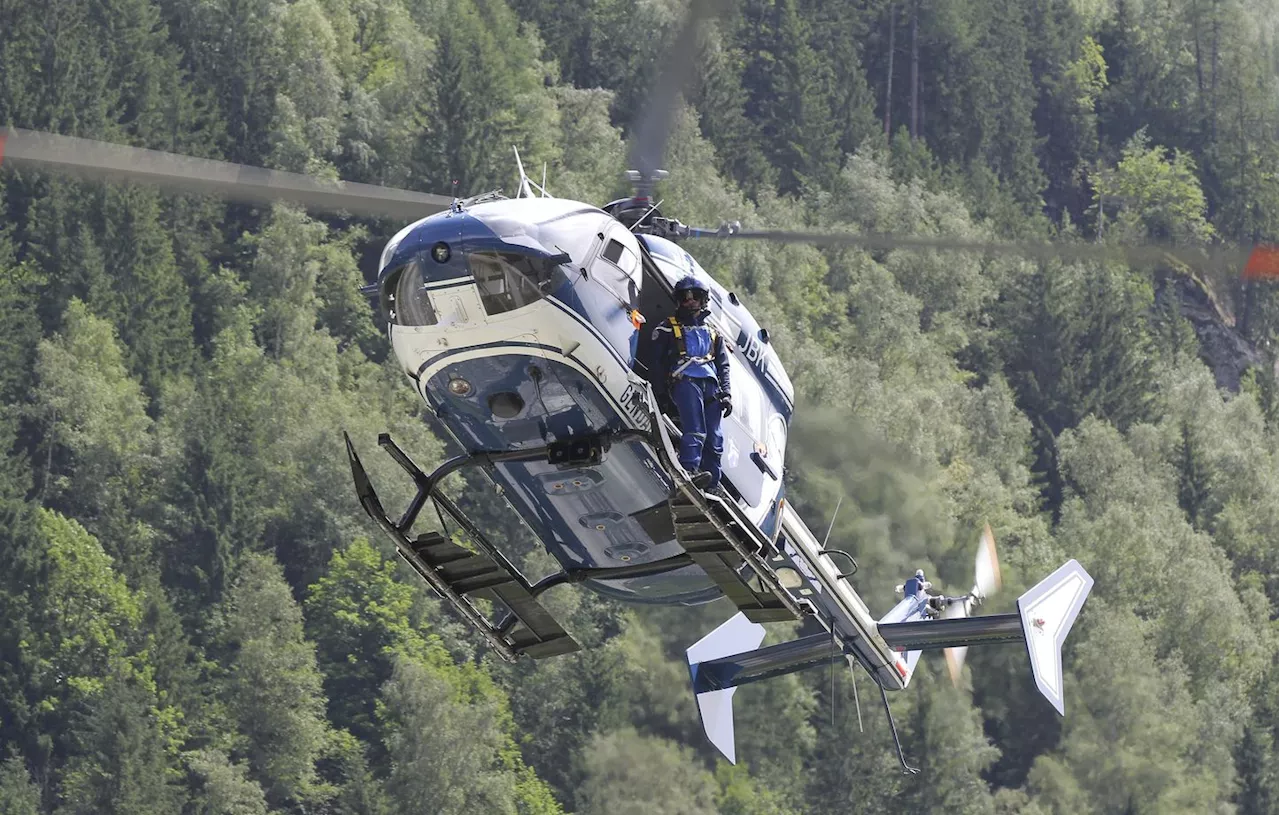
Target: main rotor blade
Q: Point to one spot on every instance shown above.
(1231, 258)
(102, 161)
(654, 127)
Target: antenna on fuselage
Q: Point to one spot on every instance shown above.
(525, 190)
(527, 186)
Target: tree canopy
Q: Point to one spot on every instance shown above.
(192, 615)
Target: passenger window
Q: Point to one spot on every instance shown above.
(620, 256)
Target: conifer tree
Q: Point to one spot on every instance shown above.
(121, 761)
(273, 688)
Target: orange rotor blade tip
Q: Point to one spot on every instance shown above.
(1263, 263)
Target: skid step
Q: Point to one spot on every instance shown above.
(717, 544)
(720, 538)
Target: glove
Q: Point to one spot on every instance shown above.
(726, 404)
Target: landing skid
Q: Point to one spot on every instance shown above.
(458, 574)
(715, 533)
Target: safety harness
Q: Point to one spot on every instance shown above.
(683, 346)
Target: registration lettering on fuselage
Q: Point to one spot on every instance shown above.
(753, 350)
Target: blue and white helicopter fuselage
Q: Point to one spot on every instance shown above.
(518, 322)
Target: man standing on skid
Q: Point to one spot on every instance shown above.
(693, 358)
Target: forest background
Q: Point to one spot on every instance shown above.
(194, 619)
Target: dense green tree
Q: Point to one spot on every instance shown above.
(147, 299)
(18, 793)
(359, 615)
(121, 760)
(232, 50)
(223, 788)
(101, 453)
(784, 98)
(441, 751)
(1081, 349)
(619, 769)
(486, 100)
(1129, 744)
(1158, 197)
(87, 618)
(19, 323)
(740, 794)
(272, 688)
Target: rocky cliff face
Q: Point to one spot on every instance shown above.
(1223, 346)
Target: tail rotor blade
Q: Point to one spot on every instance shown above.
(955, 655)
(986, 566)
(955, 662)
(986, 582)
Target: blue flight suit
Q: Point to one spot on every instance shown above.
(693, 364)
(912, 587)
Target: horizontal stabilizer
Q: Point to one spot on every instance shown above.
(715, 707)
(1047, 612)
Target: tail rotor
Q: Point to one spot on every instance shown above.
(986, 582)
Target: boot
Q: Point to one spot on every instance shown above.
(701, 480)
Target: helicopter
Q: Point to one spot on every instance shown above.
(519, 322)
(522, 322)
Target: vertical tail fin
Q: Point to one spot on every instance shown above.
(715, 706)
(1048, 610)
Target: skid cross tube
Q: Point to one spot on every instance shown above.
(563, 578)
(427, 484)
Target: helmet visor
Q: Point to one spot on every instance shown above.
(690, 297)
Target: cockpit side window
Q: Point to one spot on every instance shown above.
(404, 297)
(508, 280)
(620, 273)
(620, 256)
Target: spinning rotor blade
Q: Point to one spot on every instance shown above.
(103, 161)
(655, 125)
(955, 656)
(986, 582)
(986, 566)
(1233, 258)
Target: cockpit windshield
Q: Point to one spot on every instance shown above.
(404, 299)
(508, 280)
(505, 280)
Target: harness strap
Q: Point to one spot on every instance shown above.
(685, 359)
